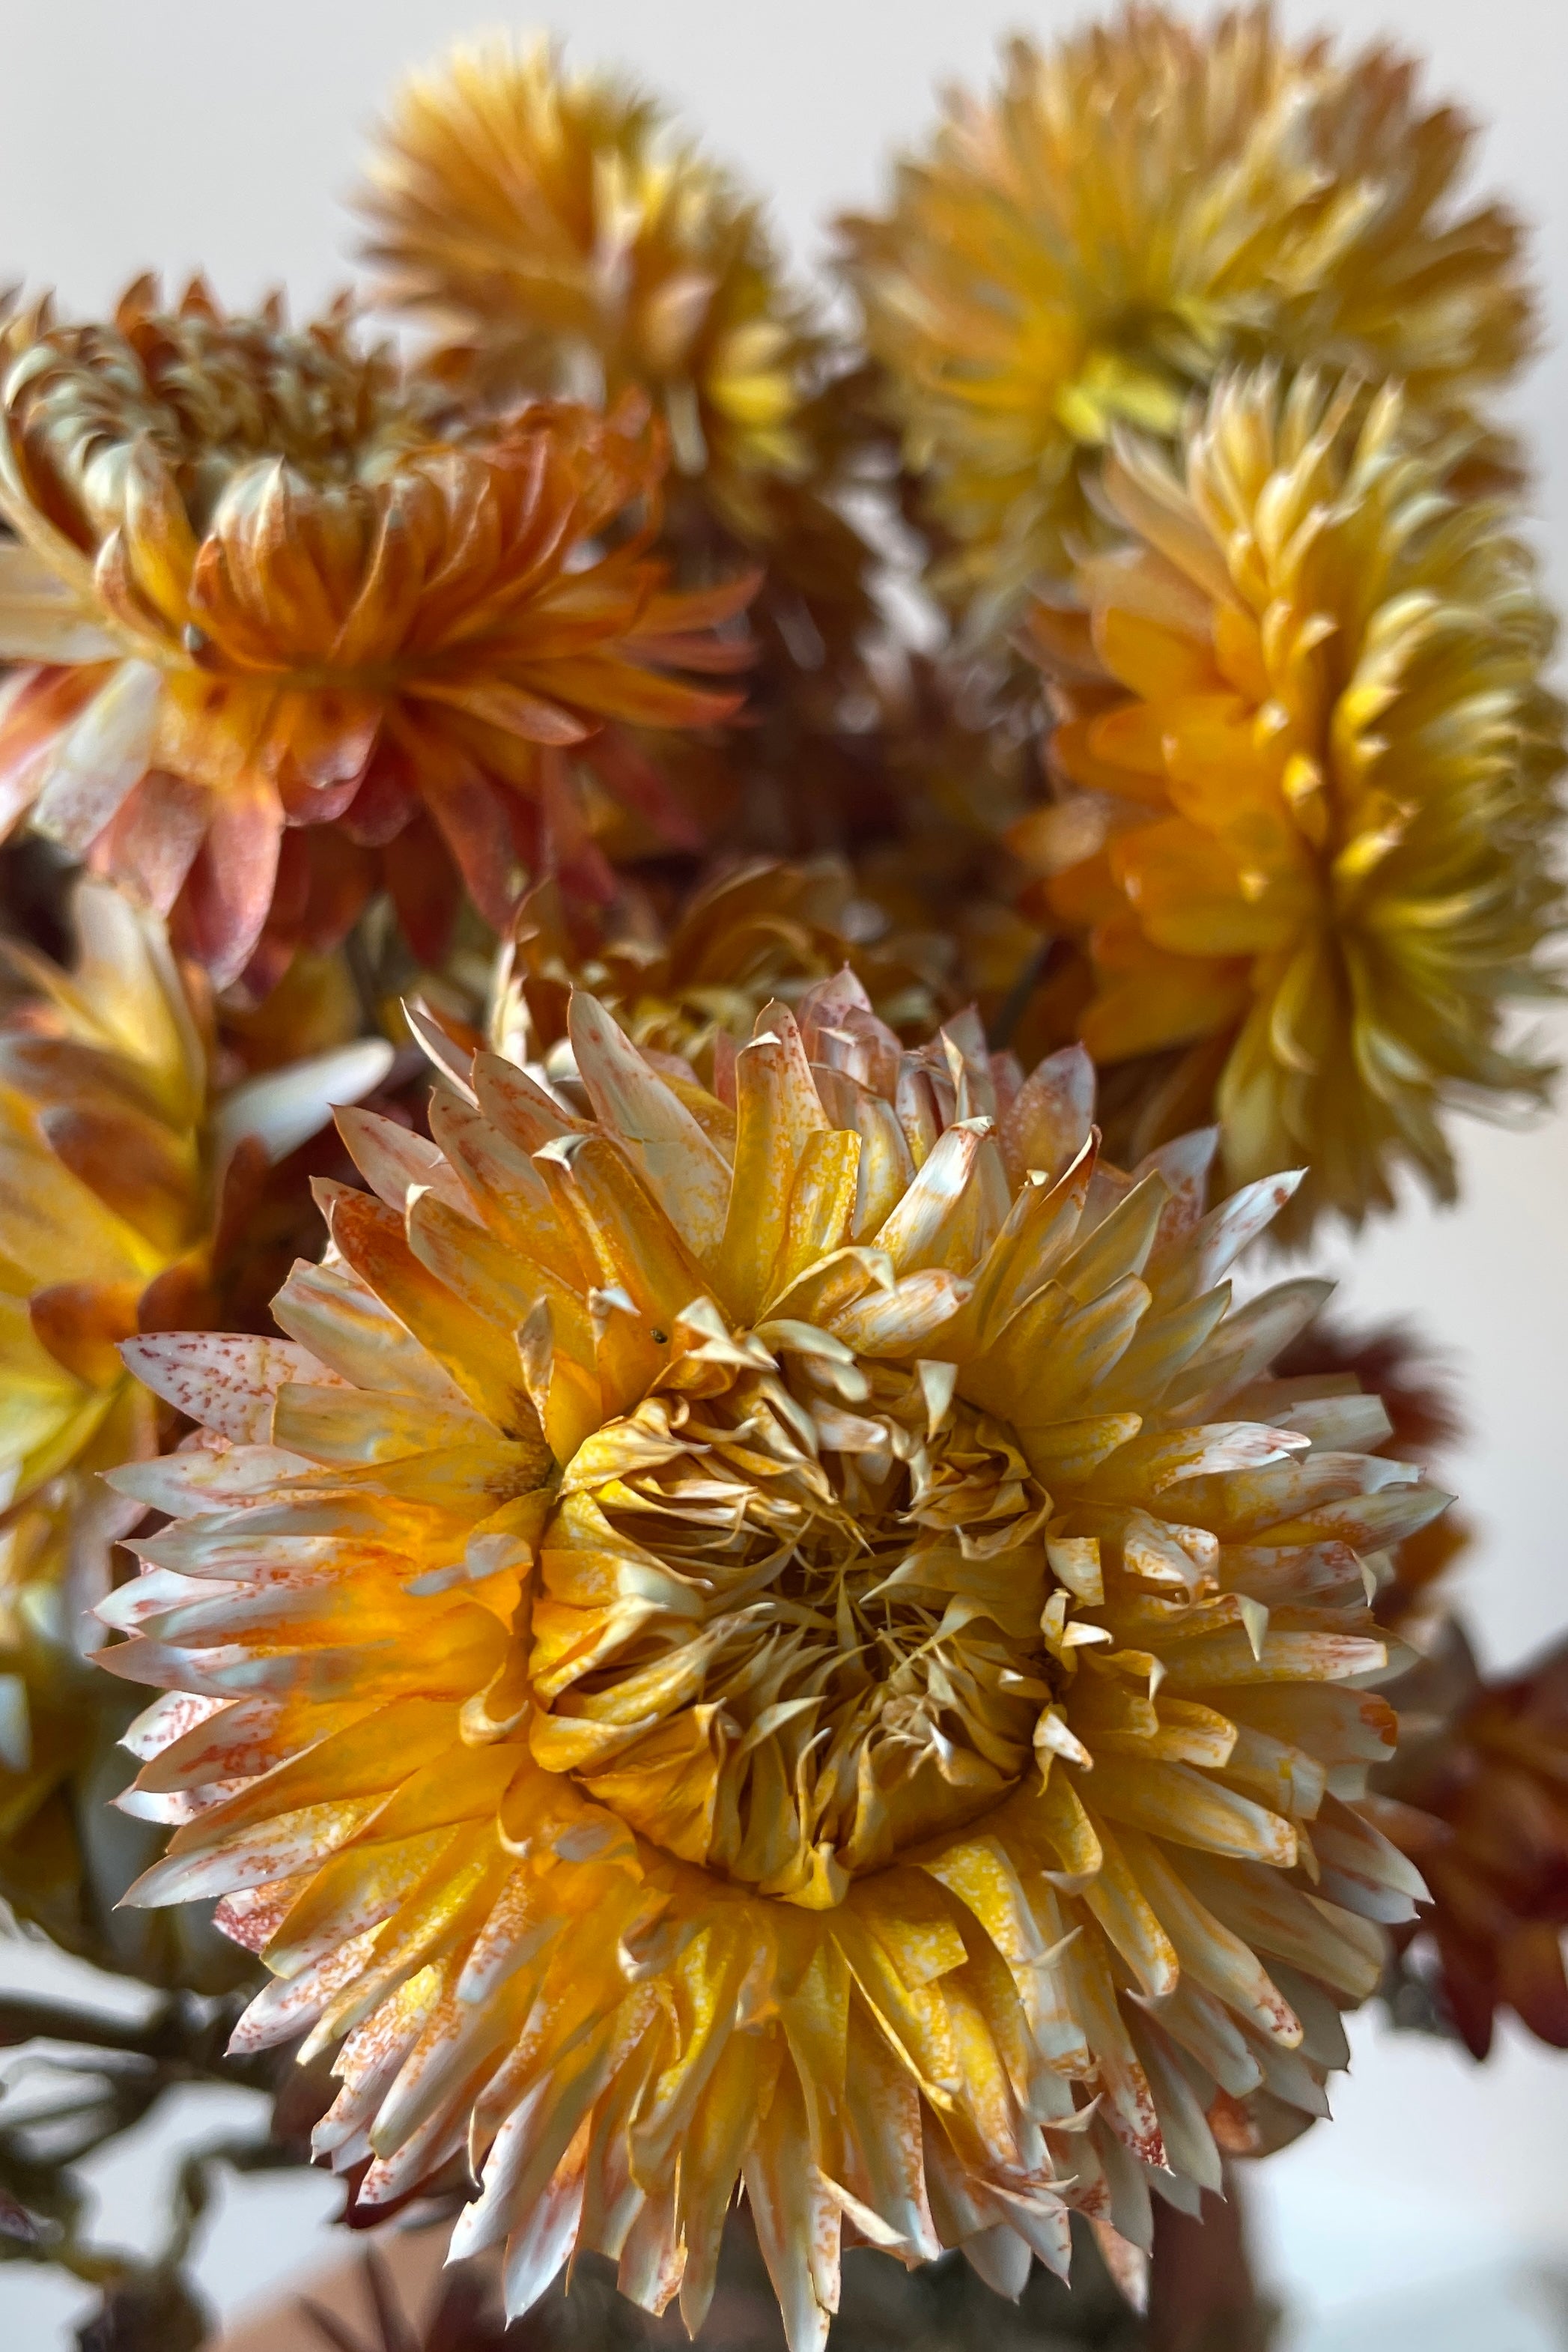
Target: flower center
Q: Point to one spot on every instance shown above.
(211, 397)
(790, 1634)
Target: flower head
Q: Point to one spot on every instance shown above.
(693, 987)
(1139, 206)
(1484, 1805)
(563, 225)
(135, 1194)
(269, 581)
(788, 1629)
(1305, 745)
(579, 244)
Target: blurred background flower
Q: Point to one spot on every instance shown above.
(1139, 205)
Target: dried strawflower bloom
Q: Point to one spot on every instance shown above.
(762, 930)
(576, 243)
(133, 1197)
(267, 580)
(562, 224)
(1491, 1832)
(1138, 206)
(790, 1632)
(1309, 772)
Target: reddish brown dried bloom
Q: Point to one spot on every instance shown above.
(1497, 1783)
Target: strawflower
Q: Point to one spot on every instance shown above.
(1308, 769)
(1482, 1803)
(563, 237)
(1138, 206)
(781, 1637)
(692, 986)
(269, 581)
(137, 1192)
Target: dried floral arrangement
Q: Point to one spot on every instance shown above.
(651, 1565)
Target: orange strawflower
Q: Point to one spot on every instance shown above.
(560, 234)
(565, 237)
(269, 580)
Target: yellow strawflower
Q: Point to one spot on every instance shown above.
(134, 1175)
(1137, 206)
(783, 1637)
(1305, 743)
(564, 236)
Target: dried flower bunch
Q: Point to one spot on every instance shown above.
(747, 1608)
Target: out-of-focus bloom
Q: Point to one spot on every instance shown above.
(133, 1197)
(563, 227)
(1486, 1809)
(788, 1629)
(1309, 770)
(267, 581)
(923, 927)
(1137, 207)
(764, 931)
(577, 243)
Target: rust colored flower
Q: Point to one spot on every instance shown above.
(1139, 206)
(134, 1194)
(1491, 1833)
(267, 581)
(780, 1635)
(1308, 769)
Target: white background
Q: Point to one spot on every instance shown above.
(168, 132)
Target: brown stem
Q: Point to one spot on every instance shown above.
(1202, 2297)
